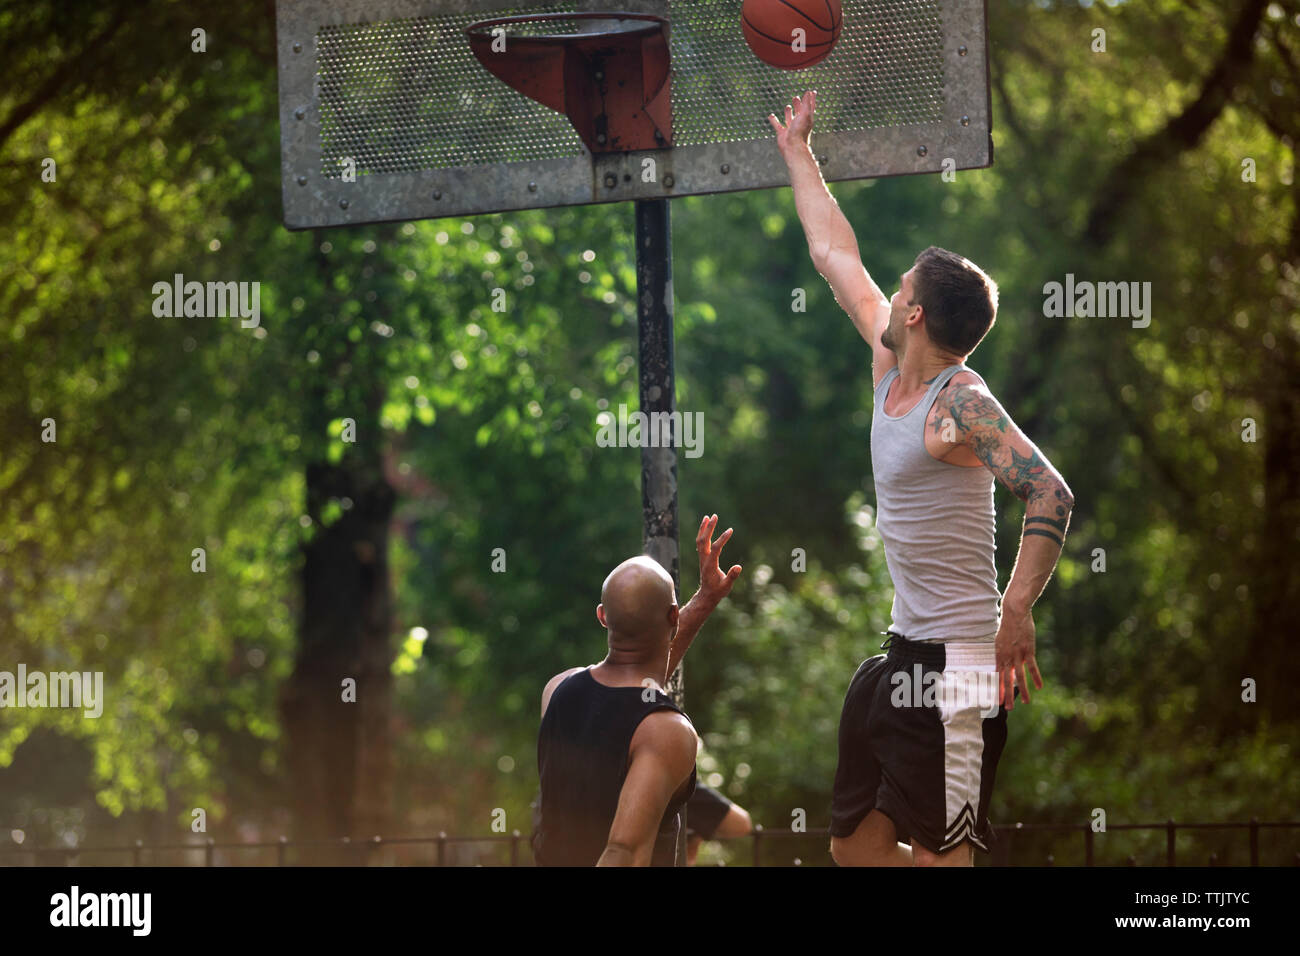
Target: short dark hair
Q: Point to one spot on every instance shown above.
(959, 299)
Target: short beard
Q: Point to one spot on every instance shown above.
(887, 340)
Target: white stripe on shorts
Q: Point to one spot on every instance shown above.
(968, 692)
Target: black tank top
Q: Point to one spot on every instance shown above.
(582, 758)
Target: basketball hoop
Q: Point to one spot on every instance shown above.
(612, 80)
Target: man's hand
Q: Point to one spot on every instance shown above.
(798, 122)
(714, 585)
(1014, 647)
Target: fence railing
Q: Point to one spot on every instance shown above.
(444, 847)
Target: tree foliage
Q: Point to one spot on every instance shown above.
(183, 433)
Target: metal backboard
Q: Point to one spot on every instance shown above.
(391, 89)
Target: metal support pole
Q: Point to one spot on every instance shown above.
(657, 380)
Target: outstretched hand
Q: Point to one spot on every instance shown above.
(713, 582)
(798, 122)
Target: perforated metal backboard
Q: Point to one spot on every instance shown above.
(385, 113)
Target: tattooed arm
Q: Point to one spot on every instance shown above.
(982, 425)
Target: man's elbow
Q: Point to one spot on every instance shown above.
(1064, 497)
(817, 252)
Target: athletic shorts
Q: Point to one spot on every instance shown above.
(920, 737)
(705, 811)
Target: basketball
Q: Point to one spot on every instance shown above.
(791, 34)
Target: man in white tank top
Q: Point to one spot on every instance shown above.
(914, 769)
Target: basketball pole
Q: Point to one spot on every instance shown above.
(658, 393)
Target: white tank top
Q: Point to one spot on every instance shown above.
(936, 521)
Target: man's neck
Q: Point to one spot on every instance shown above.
(918, 368)
(624, 669)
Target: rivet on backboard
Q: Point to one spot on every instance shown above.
(822, 159)
(726, 168)
(343, 204)
(611, 180)
(961, 50)
(302, 180)
(668, 181)
(600, 74)
(965, 121)
(600, 138)
(532, 187)
(437, 194)
(299, 113)
(297, 48)
(921, 150)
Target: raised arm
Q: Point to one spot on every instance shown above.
(831, 242)
(714, 586)
(984, 426)
(660, 759)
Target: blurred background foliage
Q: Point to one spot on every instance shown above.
(175, 434)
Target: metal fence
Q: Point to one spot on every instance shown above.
(766, 848)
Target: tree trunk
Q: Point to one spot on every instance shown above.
(339, 752)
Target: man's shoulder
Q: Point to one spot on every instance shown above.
(665, 739)
(555, 682)
(668, 732)
(560, 678)
(966, 392)
(965, 379)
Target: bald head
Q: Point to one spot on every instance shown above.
(638, 599)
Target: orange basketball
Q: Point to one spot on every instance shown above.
(791, 34)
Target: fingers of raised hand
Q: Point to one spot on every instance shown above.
(724, 587)
(705, 536)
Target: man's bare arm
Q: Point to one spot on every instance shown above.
(983, 425)
(714, 586)
(661, 758)
(693, 616)
(832, 244)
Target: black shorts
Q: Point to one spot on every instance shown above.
(705, 812)
(920, 740)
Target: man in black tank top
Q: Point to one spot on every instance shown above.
(615, 755)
